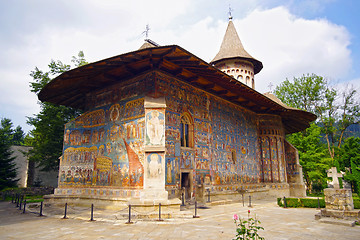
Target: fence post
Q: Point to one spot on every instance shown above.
(65, 217)
(285, 204)
(318, 203)
(24, 206)
(208, 195)
(17, 200)
(41, 210)
(92, 213)
(160, 213)
(196, 216)
(22, 197)
(129, 221)
(182, 199)
(249, 201)
(243, 201)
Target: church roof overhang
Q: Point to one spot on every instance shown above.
(70, 88)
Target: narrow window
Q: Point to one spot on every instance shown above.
(186, 131)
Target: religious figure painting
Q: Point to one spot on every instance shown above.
(155, 129)
(154, 169)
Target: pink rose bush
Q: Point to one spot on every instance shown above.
(247, 229)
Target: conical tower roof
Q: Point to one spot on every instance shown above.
(232, 48)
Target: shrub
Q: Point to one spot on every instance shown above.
(301, 202)
(357, 204)
(247, 229)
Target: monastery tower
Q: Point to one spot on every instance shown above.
(233, 59)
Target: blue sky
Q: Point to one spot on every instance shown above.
(290, 37)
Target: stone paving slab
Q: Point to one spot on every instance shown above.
(214, 223)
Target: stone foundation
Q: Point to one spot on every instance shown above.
(339, 208)
(108, 198)
(297, 190)
(348, 215)
(338, 199)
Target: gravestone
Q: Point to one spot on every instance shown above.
(339, 206)
(334, 175)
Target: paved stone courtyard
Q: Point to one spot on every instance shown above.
(214, 223)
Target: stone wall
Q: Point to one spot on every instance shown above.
(338, 199)
(22, 164)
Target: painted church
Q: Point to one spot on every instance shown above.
(160, 122)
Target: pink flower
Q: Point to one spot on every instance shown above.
(236, 217)
(248, 211)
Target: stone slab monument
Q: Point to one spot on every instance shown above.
(339, 206)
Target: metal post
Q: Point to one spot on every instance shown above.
(243, 201)
(249, 201)
(24, 206)
(92, 213)
(129, 221)
(17, 200)
(160, 213)
(22, 197)
(318, 203)
(41, 210)
(196, 216)
(182, 199)
(65, 217)
(208, 195)
(285, 204)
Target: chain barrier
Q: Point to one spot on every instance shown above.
(127, 212)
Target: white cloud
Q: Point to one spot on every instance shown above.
(290, 46)
(286, 44)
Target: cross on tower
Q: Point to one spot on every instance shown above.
(270, 86)
(230, 10)
(334, 175)
(147, 29)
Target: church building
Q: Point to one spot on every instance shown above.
(160, 122)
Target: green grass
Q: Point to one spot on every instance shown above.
(28, 198)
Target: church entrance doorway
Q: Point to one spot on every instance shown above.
(186, 184)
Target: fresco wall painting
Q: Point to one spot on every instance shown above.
(121, 144)
(104, 147)
(271, 139)
(222, 131)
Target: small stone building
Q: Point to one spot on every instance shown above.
(160, 121)
(28, 173)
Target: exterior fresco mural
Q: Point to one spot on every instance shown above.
(117, 144)
(225, 138)
(272, 142)
(105, 147)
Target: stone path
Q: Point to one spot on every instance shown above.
(214, 223)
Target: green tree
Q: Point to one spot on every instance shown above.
(336, 110)
(313, 157)
(47, 135)
(349, 161)
(15, 136)
(7, 166)
(306, 92)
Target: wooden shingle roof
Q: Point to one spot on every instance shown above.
(70, 88)
(232, 48)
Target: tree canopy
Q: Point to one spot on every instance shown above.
(8, 137)
(47, 135)
(336, 110)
